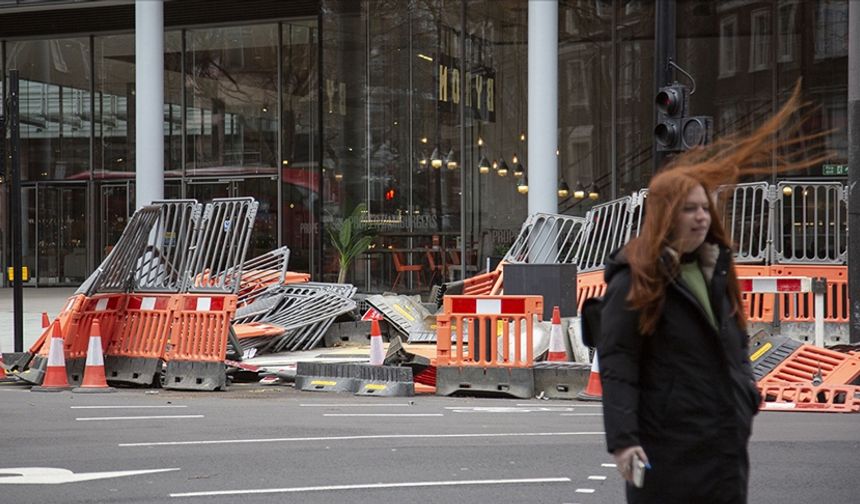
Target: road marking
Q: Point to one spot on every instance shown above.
(154, 417)
(356, 438)
(575, 406)
(608, 465)
(597, 478)
(581, 414)
(368, 486)
(505, 409)
(382, 414)
(329, 405)
(55, 475)
(584, 490)
(127, 407)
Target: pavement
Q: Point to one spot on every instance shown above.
(36, 301)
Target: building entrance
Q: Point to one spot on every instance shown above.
(55, 233)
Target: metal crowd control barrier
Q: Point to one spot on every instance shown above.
(263, 271)
(198, 342)
(475, 361)
(547, 238)
(812, 224)
(163, 266)
(222, 242)
(114, 274)
(747, 216)
(608, 226)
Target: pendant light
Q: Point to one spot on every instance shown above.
(563, 189)
(436, 159)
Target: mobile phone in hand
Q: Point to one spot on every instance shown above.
(638, 471)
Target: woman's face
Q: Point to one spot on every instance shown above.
(694, 220)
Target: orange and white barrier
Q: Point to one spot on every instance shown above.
(94, 371)
(55, 373)
(593, 389)
(785, 284)
(557, 352)
(377, 353)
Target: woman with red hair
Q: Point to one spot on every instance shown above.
(678, 388)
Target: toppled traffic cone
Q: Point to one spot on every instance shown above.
(55, 373)
(593, 390)
(557, 353)
(94, 370)
(377, 354)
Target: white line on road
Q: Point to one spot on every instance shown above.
(584, 490)
(381, 414)
(155, 417)
(608, 465)
(411, 484)
(128, 407)
(329, 405)
(572, 405)
(355, 438)
(581, 414)
(597, 478)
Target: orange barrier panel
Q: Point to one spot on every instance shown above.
(198, 342)
(589, 285)
(481, 285)
(808, 398)
(800, 307)
(758, 307)
(483, 319)
(105, 307)
(805, 363)
(137, 345)
(257, 330)
(70, 309)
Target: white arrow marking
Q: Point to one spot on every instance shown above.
(54, 475)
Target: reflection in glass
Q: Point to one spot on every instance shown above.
(54, 107)
(232, 100)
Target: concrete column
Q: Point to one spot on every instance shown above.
(149, 101)
(854, 169)
(542, 166)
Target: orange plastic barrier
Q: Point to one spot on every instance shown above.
(483, 319)
(201, 327)
(800, 307)
(257, 330)
(758, 307)
(808, 398)
(70, 309)
(139, 337)
(589, 285)
(105, 307)
(805, 363)
(482, 285)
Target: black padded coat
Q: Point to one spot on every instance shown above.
(686, 393)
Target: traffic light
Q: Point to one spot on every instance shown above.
(675, 130)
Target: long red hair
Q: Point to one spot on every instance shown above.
(722, 163)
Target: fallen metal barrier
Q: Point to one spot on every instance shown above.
(163, 264)
(547, 238)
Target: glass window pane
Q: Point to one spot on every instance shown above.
(54, 107)
(232, 100)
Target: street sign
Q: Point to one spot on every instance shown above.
(834, 170)
(372, 314)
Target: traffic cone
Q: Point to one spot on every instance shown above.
(593, 390)
(55, 372)
(377, 354)
(94, 370)
(45, 320)
(557, 353)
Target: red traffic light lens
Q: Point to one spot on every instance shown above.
(668, 101)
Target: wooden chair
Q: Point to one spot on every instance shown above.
(401, 268)
(435, 269)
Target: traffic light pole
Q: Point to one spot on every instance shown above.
(664, 50)
(15, 214)
(854, 170)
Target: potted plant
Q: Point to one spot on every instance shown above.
(350, 238)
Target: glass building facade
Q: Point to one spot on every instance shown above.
(416, 108)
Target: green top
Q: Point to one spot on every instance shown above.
(693, 278)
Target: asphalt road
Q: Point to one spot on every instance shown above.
(274, 444)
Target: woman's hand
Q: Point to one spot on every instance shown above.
(624, 460)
